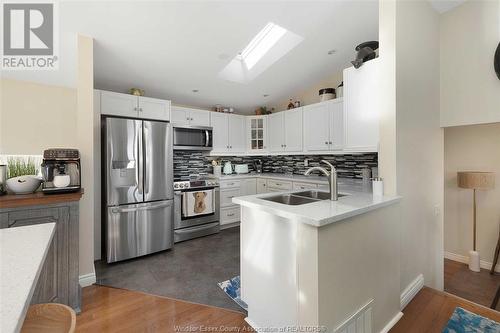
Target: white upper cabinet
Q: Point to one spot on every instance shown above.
(188, 116)
(153, 108)
(125, 105)
(317, 127)
(256, 134)
(236, 129)
(323, 126)
(116, 104)
(361, 107)
(285, 131)
(218, 121)
(200, 118)
(276, 132)
(293, 130)
(228, 133)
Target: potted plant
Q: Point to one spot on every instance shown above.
(21, 174)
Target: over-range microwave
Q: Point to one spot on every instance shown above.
(192, 138)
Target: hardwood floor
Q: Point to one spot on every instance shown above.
(430, 310)
(478, 287)
(117, 310)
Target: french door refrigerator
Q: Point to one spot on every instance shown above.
(138, 178)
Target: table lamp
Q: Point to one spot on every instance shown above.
(475, 180)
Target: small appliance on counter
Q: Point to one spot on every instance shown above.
(61, 170)
(3, 179)
(228, 168)
(258, 165)
(241, 168)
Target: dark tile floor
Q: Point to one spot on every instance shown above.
(190, 271)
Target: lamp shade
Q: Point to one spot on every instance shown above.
(476, 180)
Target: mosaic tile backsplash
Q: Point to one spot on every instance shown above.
(348, 166)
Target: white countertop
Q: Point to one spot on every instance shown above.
(291, 177)
(323, 212)
(22, 254)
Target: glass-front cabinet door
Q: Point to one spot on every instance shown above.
(257, 134)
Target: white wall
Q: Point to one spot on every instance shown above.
(86, 135)
(36, 117)
(471, 148)
(419, 142)
(470, 89)
(409, 36)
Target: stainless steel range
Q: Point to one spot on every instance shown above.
(196, 208)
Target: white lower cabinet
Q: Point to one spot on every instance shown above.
(226, 196)
(261, 186)
(248, 186)
(304, 186)
(278, 185)
(229, 215)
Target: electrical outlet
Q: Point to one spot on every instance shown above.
(306, 162)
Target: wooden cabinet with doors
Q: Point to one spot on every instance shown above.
(58, 280)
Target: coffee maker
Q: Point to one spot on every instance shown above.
(61, 170)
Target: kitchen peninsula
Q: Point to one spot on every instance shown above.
(315, 264)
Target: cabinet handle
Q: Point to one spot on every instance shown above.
(191, 119)
(187, 118)
(232, 214)
(227, 147)
(331, 142)
(326, 142)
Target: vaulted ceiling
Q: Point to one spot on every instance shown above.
(170, 48)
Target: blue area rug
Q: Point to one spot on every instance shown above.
(463, 321)
(232, 289)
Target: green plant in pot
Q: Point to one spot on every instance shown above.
(22, 175)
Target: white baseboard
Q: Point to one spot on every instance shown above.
(465, 259)
(411, 290)
(87, 280)
(392, 322)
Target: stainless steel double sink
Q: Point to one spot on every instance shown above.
(300, 198)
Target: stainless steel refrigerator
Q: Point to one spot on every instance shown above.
(138, 179)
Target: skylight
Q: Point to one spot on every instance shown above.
(267, 47)
(261, 44)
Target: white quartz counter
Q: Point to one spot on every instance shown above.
(22, 254)
(358, 200)
(270, 175)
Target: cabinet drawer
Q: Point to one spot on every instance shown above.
(227, 196)
(229, 215)
(279, 184)
(303, 186)
(230, 184)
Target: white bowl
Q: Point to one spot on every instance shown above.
(23, 184)
(61, 180)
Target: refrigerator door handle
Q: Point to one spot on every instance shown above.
(140, 158)
(148, 154)
(145, 207)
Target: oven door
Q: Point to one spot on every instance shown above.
(185, 213)
(192, 138)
